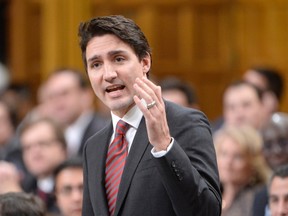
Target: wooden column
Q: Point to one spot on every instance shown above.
(18, 46)
(61, 19)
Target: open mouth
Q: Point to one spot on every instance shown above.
(115, 88)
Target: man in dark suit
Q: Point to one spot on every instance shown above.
(67, 97)
(278, 191)
(275, 151)
(167, 152)
(96, 123)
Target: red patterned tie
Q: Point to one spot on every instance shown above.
(115, 162)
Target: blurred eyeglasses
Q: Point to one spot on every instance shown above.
(68, 190)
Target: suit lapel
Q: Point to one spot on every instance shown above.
(97, 158)
(140, 144)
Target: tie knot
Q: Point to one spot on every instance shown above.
(121, 127)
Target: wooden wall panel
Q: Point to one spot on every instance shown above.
(261, 32)
(59, 33)
(17, 39)
(202, 56)
(206, 42)
(24, 43)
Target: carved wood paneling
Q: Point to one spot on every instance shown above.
(206, 42)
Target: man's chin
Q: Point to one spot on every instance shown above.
(76, 213)
(120, 105)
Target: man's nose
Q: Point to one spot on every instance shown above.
(76, 195)
(276, 148)
(283, 208)
(109, 72)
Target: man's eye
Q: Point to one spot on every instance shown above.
(119, 59)
(273, 200)
(267, 145)
(95, 65)
(283, 142)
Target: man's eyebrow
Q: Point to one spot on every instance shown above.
(115, 52)
(93, 58)
(110, 53)
(273, 196)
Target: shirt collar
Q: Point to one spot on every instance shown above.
(132, 117)
(46, 184)
(81, 123)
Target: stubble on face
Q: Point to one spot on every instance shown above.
(112, 67)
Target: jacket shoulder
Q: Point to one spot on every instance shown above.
(179, 114)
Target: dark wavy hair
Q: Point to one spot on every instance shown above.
(123, 28)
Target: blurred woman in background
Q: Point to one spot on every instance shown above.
(242, 168)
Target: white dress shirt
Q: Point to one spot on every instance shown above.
(133, 118)
(75, 132)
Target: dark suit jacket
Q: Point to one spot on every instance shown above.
(96, 124)
(183, 182)
(260, 202)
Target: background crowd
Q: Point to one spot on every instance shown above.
(41, 145)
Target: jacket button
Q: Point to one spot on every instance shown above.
(173, 164)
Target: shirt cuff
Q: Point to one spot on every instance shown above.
(163, 152)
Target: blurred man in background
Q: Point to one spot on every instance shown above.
(69, 187)
(179, 92)
(67, 98)
(278, 192)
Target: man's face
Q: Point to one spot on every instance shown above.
(42, 152)
(275, 146)
(270, 101)
(175, 96)
(112, 67)
(278, 196)
(242, 106)
(63, 98)
(68, 191)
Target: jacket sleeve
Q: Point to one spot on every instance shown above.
(189, 170)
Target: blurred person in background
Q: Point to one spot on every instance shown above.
(278, 192)
(21, 204)
(8, 140)
(242, 104)
(271, 82)
(12, 168)
(275, 135)
(10, 178)
(68, 188)
(4, 78)
(19, 99)
(44, 148)
(68, 99)
(275, 151)
(179, 92)
(242, 168)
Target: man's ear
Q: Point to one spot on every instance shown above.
(146, 63)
